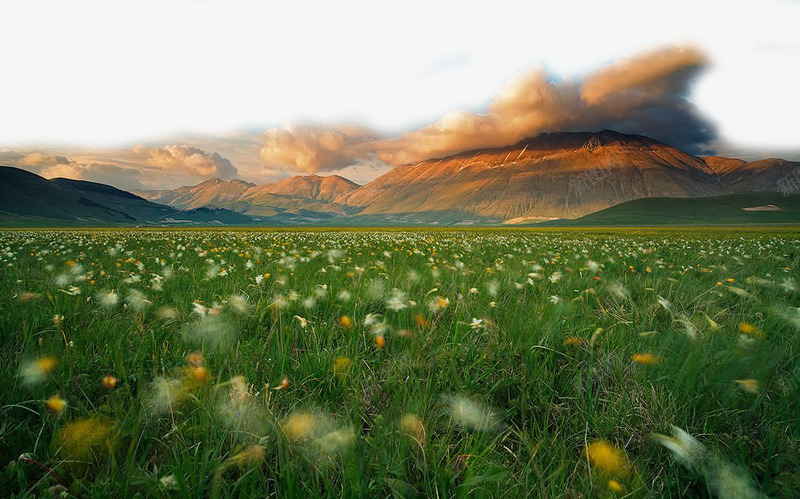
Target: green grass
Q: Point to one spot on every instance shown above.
(539, 400)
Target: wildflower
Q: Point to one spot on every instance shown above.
(647, 359)
(198, 373)
(55, 404)
(250, 457)
(195, 359)
(27, 296)
(606, 458)
(380, 341)
(335, 441)
(284, 384)
(137, 301)
(615, 486)
(421, 321)
(279, 303)
(110, 382)
(472, 415)
(167, 313)
(412, 427)
(748, 385)
(573, 341)
(168, 482)
(36, 371)
(303, 321)
(749, 329)
(722, 477)
(238, 303)
(299, 426)
(108, 299)
(397, 301)
(346, 322)
(84, 439)
(341, 365)
(476, 324)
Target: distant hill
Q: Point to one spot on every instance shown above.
(752, 208)
(213, 192)
(26, 199)
(297, 198)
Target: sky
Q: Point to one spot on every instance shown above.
(158, 94)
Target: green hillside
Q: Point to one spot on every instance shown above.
(28, 200)
(755, 208)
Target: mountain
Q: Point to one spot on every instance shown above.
(768, 175)
(752, 208)
(213, 192)
(297, 198)
(25, 194)
(554, 175)
(28, 199)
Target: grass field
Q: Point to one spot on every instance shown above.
(498, 363)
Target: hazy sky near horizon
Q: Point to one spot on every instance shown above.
(156, 94)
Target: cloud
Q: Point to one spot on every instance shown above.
(117, 176)
(142, 167)
(187, 161)
(646, 73)
(645, 94)
(311, 148)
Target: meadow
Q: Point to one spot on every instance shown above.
(424, 363)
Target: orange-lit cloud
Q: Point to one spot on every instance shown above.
(310, 148)
(139, 168)
(187, 161)
(648, 72)
(644, 95)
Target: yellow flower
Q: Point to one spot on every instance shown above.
(251, 456)
(411, 426)
(195, 359)
(615, 486)
(421, 321)
(347, 322)
(199, 373)
(605, 457)
(647, 359)
(747, 328)
(37, 370)
(46, 364)
(55, 404)
(84, 438)
(748, 385)
(380, 341)
(299, 426)
(573, 341)
(110, 382)
(341, 365)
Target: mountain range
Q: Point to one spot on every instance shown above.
(553, 176)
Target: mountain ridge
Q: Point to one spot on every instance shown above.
(562, 175)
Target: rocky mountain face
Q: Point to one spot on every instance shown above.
(309, 194)
(561, 175)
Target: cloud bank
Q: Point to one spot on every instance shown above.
(646, 95)
(139, 168)
(188, 161)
